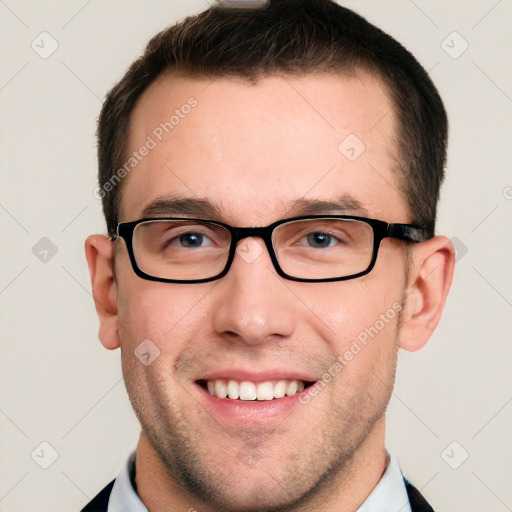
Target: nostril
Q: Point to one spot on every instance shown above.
(229, 335)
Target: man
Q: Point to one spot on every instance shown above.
(270, 180)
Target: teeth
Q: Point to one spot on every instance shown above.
(233, 389)
(280, 389)
(246, 390)
(265, 391)
(291, 388)
(220, 389)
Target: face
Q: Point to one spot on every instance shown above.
(252, 151)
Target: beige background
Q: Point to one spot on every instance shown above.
(57, 383)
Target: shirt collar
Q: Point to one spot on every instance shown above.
(123, 497)
(390, 494)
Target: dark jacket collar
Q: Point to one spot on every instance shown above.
(100, 502)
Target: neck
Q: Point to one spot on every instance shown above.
(345, 491)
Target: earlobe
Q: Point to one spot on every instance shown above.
(430, 279)
(99, 251)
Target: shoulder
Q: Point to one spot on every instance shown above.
(417, 501)
(100, 502)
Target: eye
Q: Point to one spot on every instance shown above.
(190, 239)
(320, 240)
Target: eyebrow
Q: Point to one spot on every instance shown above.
(208, 210)
(180, 205)
(344, 204)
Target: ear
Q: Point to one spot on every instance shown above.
(99, 251)
(430, 279)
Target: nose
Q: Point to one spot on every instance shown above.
(252, 304)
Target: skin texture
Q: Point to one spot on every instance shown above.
(253, 150)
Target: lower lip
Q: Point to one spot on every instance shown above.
(248, 410)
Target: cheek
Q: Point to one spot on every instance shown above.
(165, 313)
(345, 311)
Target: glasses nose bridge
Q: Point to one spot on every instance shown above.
(265, 233)
(238, 234)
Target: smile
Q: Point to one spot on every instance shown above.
(249, 391)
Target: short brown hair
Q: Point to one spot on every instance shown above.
(293, 38)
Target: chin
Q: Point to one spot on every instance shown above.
(257, 491)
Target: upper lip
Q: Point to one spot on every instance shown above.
(257, 376)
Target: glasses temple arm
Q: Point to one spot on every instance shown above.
(408, 232)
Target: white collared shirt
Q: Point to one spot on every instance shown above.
(123, 497)
(390, 494)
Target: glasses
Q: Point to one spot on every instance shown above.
(308, 249)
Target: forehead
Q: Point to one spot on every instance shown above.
(253, 150)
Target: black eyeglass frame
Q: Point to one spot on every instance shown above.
(406, 232)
